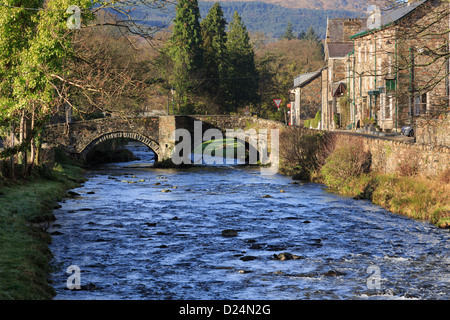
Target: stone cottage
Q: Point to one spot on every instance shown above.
(335, 74)
(398, 68)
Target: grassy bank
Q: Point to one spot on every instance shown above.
(417, 197)
(342, 164)
(24, 207)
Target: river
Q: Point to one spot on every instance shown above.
(137, 232)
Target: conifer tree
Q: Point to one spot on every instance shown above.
(215, 52)
(186, 50)
(242, 80)
(289, 33)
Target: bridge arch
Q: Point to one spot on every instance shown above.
(251, 147)
(152, 144)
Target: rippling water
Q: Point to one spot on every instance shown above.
(133, 239)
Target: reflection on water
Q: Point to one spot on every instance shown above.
(138, 232)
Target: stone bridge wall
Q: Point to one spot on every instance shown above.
(233, 122)
(156, 132)
(82, 136)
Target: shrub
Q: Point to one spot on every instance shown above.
(347, 160)
(408, 165)
(298, 152)
(445, 176)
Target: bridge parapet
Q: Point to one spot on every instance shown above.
(157, 132)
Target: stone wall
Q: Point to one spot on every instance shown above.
(390, 156)
(158, 133)
(230, 122)
(433, 131)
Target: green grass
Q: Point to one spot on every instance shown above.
(417, 197)
(219, 147)
(24, 253)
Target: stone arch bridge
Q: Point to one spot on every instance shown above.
(158, 132)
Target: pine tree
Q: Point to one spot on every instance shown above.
(310, 35)
(242, 80)
(186, 50)
(289, 33)
(215, 52)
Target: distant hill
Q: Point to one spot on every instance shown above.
(261, 16)
(347, 5)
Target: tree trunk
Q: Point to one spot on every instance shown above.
(12, 156)
(22, 137)
(33, 144)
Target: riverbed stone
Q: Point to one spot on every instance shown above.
(229, 233)
(150, 224)
(242, 271)
(248, 258)
(286, 256)
(333, 273)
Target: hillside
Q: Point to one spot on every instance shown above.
(264, 17)
(347, 5)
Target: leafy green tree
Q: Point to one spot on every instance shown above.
(242, 82)
(186, 51)
(215, 52)
(34, 44)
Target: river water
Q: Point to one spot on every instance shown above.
(133, 239)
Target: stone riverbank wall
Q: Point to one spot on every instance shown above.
(389, 156)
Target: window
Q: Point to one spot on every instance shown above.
(424, 103)
(390, 85)
(417, 104)
(388, 109)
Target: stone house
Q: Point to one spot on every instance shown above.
(398, 68)
(305, 97)
(335, 75)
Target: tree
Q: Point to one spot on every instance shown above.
(278, 64)
(34, 43)
(289, 33)
(309, 35)
(242, 81)
(37, 53)
(215, 53)
(186, 50)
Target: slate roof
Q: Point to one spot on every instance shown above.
(304, 78)
(393, 16)
(339, 49)
(397, 14)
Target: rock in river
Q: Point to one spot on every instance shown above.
(247, 258)
(73, 193)
(229, 233)
(286, 256)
